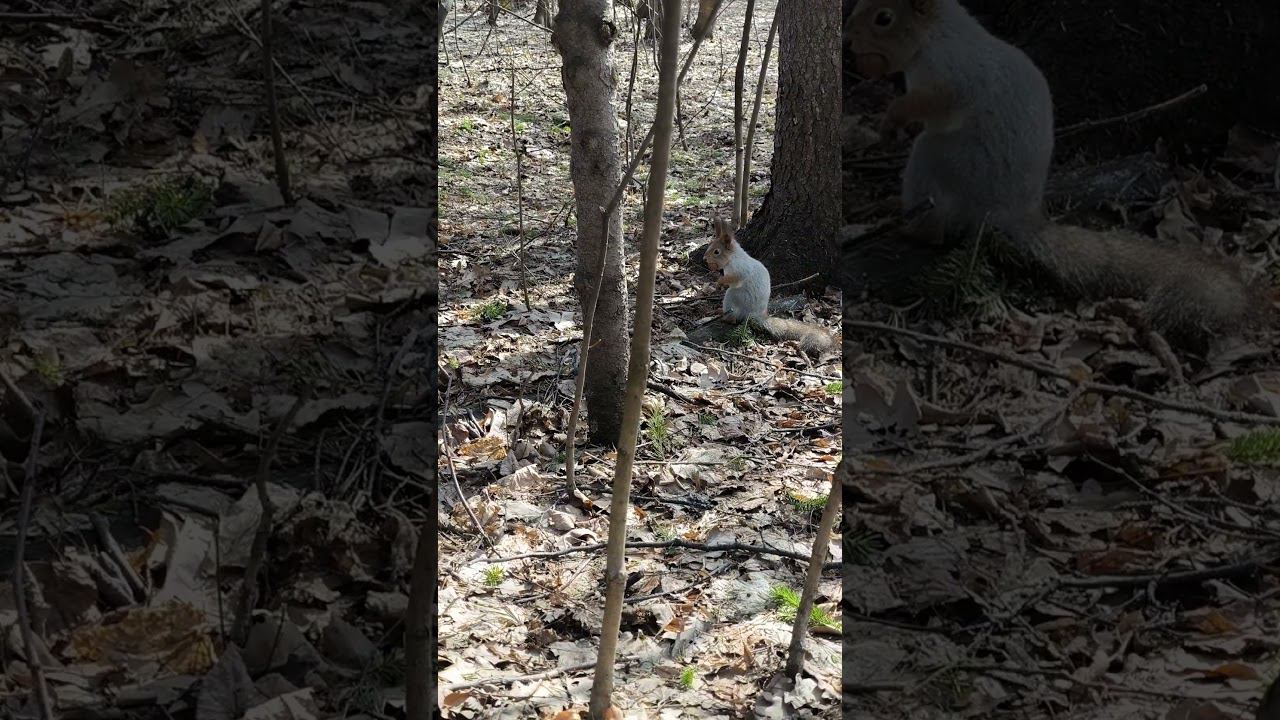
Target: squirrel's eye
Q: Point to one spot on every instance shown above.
(884, 18)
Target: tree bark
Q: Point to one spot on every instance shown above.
(601, 705)
(794, 232)
(584, 37)
(705, 25)
(420, 616)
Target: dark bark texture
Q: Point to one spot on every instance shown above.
(794, 232)
(584, 37)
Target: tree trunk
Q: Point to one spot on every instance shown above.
(794, 232)
(420, 622)
(705, 25)
(442, 14)
(583, 36)
(601, 705)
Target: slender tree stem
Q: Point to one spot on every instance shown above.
(638, 370)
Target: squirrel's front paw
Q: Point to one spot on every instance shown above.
(890, 127)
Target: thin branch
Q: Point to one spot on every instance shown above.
(515, 148)
(65, 20)
(755, 116)
(544, 675)
(668, 544)
(1247, 567)
(1053, 372)
(1129, 117)
(273, 106)
(457, 486)
(17, 394)
(118, 557)
(41, 689)
(258, 551)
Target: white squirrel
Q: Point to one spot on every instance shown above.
(747, 293)
(983, 157)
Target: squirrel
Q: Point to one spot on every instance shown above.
(747, 296)
(983, 158)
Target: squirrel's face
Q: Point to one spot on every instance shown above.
(885, 35)
(714, 257)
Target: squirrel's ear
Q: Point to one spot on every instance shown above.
(722, 229)
(924, 7)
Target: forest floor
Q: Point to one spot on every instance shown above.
(1023, 546)
(167, 312)
(742, 449)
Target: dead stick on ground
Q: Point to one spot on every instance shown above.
(273, 106)
(677, 543)
(410, 340)
(43, 701)
(1040, 426)
(63, 19)
(117, 556)
(1187, 576)
(258, 551)
(457, 486)
(801, 281)
(1243, 418)
(892, 225)
(18, 395)
(668, 391)
(1079, 127)
(544, 675)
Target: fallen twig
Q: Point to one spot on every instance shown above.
(457, 487)
(64, 19)
(668, 391)
(892, 225)
(43, 701)
(981, 453)
(258, 551)
(1128, 117)
(513, 679)
(17, 393)
(1088, 386)
(676, 543)
(117, 556)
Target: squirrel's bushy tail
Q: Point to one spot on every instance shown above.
(812, 339)
(1191, 297)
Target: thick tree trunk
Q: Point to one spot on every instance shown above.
(584, 36)
(794, 232)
